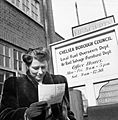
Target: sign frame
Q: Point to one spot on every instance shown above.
(89, 83)
(88, 27)
(60, 44)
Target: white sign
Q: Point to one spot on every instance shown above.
(92, 26)
(89, 58)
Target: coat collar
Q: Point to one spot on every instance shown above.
(46, 80)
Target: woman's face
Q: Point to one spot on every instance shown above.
(38, 69)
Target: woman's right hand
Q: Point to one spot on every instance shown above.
(36, 109)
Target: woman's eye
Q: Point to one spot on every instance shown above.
(43, 67)
(36, 68)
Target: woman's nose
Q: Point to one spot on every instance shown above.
(40, 71)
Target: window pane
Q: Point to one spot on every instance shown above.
(1, 49)
(1, 85)
(17, 3)
(27, 9)
(15, 64)
(1, 80)
(17, 60)
(13, 1)
(1, 60)
(27, 3)
(36, 17)
(1, 76)
(6, 51)
(15, 54)
(25, 6)
(34, 10)
(7, 59)
(8, 74)
(20, 65)
(19, 55)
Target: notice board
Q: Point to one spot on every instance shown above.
(93, 57)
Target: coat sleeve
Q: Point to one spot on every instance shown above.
(9, 108)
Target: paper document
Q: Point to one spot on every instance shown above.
(52, 93)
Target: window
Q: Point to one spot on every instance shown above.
(4, 56)
(1, 55)
(18, 63)
(1, 80)
(25, 6)
(18, 3)
(13, 1)
(9, 62)
(34, 9)
(29, 7)
(7, 56)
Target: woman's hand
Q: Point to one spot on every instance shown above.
(36, 109)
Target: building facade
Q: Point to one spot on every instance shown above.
(22, 25)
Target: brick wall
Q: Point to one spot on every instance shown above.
(19, 29)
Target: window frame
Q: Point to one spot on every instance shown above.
(8, 57)
(18, 61)
(4, 55)
(29, 13)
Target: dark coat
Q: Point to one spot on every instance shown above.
(20, 92)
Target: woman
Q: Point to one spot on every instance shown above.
(20, 94)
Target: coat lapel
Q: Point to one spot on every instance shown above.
(48, 79)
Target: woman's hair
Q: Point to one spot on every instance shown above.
(40, 54)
